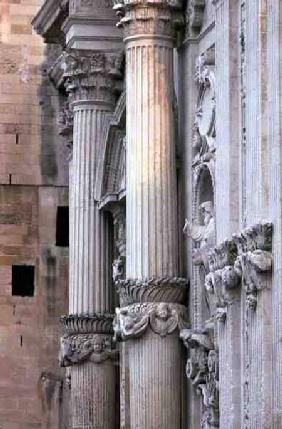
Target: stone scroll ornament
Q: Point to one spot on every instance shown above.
(87, 338)
(202, 369)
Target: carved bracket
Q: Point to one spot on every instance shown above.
(246, 260)
(162, 318)
(202, 370)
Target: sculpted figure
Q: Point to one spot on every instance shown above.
(202, 233)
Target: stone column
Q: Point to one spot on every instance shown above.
(152, 294)
(87, 344)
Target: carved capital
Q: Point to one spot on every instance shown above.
(78, 348)
(162, 318)
(159, 18)
(155, 289)
(93, 76)
(202, 370)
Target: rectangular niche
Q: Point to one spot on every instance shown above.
(62, 226)
(23, 280)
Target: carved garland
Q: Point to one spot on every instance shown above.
(163, 319)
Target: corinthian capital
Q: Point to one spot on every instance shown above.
(158, 17)
(93, 76)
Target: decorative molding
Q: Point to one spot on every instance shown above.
(163, 318)
(65, 126)
(49, 20)
(86, 6)
(202, 369)
(87, 324)
(155, 289)
(93, 76)
(79, 348)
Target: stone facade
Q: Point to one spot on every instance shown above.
(165, 116)
(33, 184)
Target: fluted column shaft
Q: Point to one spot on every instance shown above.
(90, 261)
(152, 294)
(151, 185)
(87, 345)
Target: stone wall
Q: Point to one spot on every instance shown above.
(33, 183)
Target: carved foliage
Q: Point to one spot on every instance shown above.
(137, 17)
(254, 261)
(166, 289)
(202, 370)
(163, 319)
(246, 260)
(93, 75)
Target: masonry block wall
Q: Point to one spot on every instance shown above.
(33, 183)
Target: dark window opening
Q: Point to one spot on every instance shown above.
(23, 280)
(62, 227)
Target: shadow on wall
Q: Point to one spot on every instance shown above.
(47, 95)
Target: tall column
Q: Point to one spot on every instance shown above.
(152, 295)
(87, 345)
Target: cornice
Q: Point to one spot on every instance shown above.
(49, 19)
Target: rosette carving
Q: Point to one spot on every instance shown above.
(162, 318)
(155, 289)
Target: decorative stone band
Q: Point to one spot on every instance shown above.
(87, 337)
(163, 318)
(93, 76)
(246, 260)
(202, 370)
(87, 324)
(156, 18)
(96, 348)
(155, 289)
